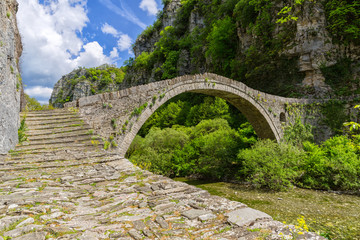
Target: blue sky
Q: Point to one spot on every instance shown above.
(61, 35)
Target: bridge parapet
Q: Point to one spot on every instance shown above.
(121, 114)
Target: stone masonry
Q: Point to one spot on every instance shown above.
(122, 113)
(62, 185)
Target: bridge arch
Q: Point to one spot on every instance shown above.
(233, 92)
(267, 113)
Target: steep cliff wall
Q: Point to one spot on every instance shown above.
(288, 47)
(291, 48)
(83, 82)
(10, 80)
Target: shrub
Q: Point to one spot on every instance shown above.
(343, 20)
(22, 131)
(296, 133)
(334, 165)
(270, 165)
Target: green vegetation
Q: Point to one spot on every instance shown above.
(33, 105)
(192, 134)
(22, 131)
(246, 40)
(206, 137)
(334, 115)
(344, 20)
(101, 79)
(215, 46)
(331, 215)
(340, 77)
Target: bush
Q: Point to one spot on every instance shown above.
(22, 131)
(155, 151)
(334, 165)
(296, 133)
(33, 105)
(343, 20)
(270, 165)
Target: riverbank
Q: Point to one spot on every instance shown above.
(335, 216)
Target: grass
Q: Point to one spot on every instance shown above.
(335, 216)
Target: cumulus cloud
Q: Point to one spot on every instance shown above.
(39, 91)
(52, 43)
(114, 54)
(93, 55)
(124, 42)
(149, 6)
(124, 11)
(108, 29)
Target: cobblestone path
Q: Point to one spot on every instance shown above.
(60, 186)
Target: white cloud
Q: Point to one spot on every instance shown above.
(108, 29)
(92, 56)
(52, 46)
(150, 6)
(124, 42)
(39, 91)
(114, 54)
(124, 11)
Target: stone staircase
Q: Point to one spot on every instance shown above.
(56, 138)
(59, 185)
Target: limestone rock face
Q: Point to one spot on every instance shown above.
(10, 80)
(312, 44)
(146, 43)
(82, 83)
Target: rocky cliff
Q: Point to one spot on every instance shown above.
(84, 82)
(10, 79)
(286, 47)
(290, 48)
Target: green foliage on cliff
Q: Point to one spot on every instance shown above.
(344, 20)
(245, 40)
(101, 79)
(215, 46)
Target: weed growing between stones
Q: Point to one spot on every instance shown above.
(22, 131)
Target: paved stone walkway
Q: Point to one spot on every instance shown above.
(61, 186)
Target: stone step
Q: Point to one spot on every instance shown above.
(36, 133)
(58, 164)
(66, 145)
(55, 126)
(53, 118)
(69, 139)
(51, 135)
(68, 121)
(59, 156)
(59, 136)
(89, 148)
(46, 112)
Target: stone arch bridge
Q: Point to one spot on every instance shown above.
(122, 114)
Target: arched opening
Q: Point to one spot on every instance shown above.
(282, 117)
(192, 134)
(234, 92)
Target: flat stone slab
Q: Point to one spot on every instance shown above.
(194, 213)
(33, 236)
(246, 216)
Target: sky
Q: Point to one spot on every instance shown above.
(61, 35)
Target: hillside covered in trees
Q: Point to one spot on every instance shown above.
(273, 46)
(290, 48)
